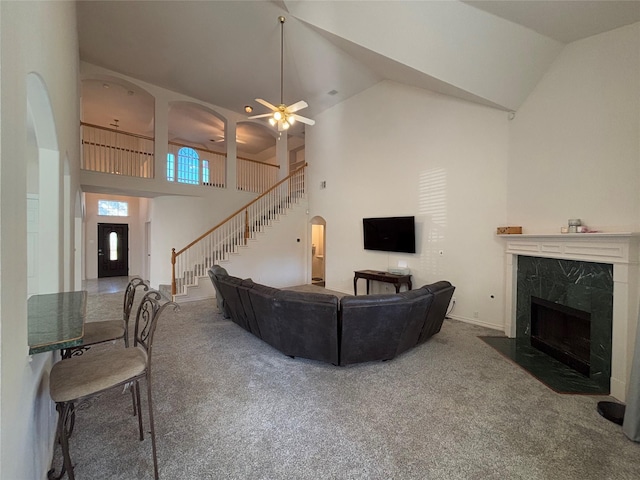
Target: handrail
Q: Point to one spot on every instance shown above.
(177, 144)
(231, 222)
(258, 161)
(137, 135)
(255, 200)
(113, 147)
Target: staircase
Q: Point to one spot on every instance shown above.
(190, 264)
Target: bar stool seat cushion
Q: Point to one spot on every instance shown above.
(98, 332)
(84, 375)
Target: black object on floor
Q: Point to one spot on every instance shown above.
(612, 411)
(553, 373)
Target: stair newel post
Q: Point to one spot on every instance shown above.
(246, 225)
(173, 271)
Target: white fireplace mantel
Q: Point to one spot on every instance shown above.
(619, 249)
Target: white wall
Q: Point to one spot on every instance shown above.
(574, 144)
(136, 232)
(26, 421)
(396, 150)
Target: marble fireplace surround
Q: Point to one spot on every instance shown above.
(619, 249)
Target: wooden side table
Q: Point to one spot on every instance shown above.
(395, 279)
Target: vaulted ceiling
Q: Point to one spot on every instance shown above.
(227, 53)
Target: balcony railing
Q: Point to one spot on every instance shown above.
(254, 176)
(112, 151)
(108, 150)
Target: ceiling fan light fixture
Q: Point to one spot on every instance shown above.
(283, 115)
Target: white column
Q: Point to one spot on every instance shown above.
(282, 155)
(161, 139)
(619, 347)
(232, 152)
(510, 299)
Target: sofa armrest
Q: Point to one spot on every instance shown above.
(214, 273)
(442, 292)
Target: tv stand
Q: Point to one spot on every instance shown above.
(395, 279)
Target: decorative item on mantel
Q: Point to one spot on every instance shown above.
(508, 230)
(575, 226)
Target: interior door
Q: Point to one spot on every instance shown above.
(113, 250)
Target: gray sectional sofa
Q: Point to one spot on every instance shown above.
(322, 327)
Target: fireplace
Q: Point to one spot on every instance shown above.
(611, 347)
(562, 332)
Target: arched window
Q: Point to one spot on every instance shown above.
(188, 166)
(194, 166)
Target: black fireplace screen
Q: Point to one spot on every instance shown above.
(562, 332)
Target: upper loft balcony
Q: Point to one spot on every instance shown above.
(190, 149)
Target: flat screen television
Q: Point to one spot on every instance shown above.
(390, 234)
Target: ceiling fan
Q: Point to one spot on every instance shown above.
(282, 115)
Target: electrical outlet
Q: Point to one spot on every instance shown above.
(475, 314)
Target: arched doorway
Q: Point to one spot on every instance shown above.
(44, 245)
(318, 251)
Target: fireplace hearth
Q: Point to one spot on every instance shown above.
(562, 332)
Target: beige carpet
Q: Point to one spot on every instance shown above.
(228, 406)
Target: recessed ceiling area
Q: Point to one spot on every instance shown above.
(107, 99)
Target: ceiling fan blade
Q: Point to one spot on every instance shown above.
(302, 119)
(264, 115)
(297, 106)
(267, 104)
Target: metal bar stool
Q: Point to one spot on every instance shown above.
(80, 377)
(109, 330)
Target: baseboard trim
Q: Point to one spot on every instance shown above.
(475, 321)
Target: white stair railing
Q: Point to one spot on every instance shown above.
(216, 244)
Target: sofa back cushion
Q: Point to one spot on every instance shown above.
(307, 325)
(261, 299)
(379, 327)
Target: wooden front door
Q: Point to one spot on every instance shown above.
(113, 250)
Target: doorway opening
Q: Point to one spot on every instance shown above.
(318, 260)
(113, 250)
